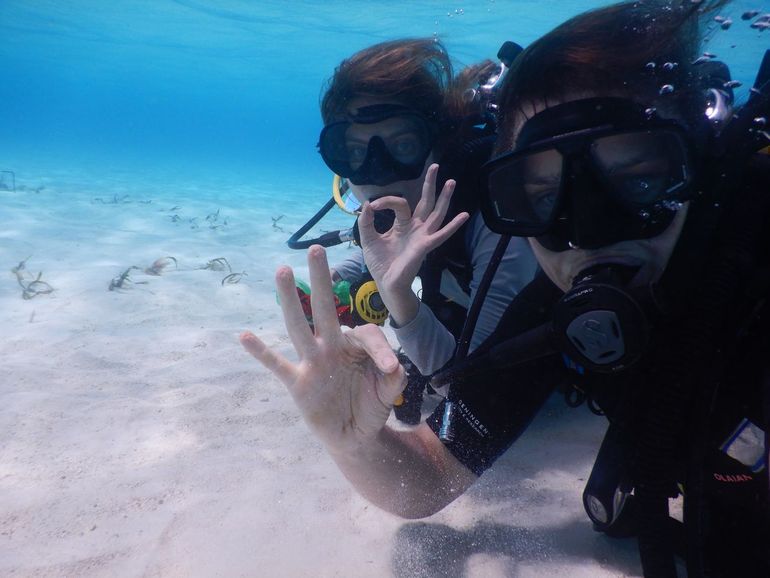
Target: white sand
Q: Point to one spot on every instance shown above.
(138, 439)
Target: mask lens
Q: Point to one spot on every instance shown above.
(409, 143)
(525, 190)
(643, 168)
(332, 145)
(345, 146)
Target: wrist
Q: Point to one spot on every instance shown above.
(355, 447)
(403, 308)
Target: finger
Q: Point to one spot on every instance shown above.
(428, 197)
(393, 386)
(293, 317)
(372, 340)
(442, 205)
(393, 381)
(321, 294)
(447, 231)
(281, 367)
(399, 205)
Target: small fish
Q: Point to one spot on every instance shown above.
(760, 25)
(726, 24)
(720, 19)
(233, 278)
(732, 84)
(749, 14)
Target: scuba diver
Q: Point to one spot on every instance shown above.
(392, 112)
(643, 192)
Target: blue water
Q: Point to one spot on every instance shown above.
(199, 89)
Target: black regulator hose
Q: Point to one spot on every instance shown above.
(326, 240)
(464, 342)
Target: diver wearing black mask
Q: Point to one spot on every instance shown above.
(598, 175)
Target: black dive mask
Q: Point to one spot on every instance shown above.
(379, 145)
(590, 173)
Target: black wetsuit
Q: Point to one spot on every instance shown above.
(680, 409)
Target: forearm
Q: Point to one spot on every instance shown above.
(426, 342)
(402, 304)
(408, 473)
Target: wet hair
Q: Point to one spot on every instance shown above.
(630, 49)
(415, 72)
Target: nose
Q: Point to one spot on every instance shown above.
(590, 209)
(375, 169)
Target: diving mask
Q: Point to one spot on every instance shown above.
(378, 145)
(590, 173)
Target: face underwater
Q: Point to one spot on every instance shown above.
(383, 148)
(593, 181)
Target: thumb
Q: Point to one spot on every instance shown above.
(393, 385)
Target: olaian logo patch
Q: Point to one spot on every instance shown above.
(747, 445)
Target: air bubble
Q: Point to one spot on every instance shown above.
(760, 121)
(670, 65)
(650, 65)
(666, 89)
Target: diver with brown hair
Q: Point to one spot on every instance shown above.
(409, 139)
(643, 192)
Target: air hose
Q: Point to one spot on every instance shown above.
(464, 342)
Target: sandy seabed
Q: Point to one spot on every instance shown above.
(138, 439)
